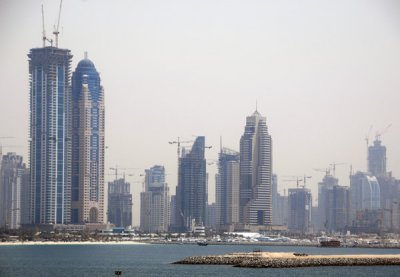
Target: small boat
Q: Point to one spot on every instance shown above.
(202, 243)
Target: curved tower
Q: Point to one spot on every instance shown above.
(87, 144)
(256, 172)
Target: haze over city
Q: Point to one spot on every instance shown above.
(322, 73)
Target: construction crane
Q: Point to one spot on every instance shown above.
(178, 142)
(297, 179)
(368, 135)
(305, 180)
(326, 170)
(56, 28)
(116, 170)
(380, 133)
(333, 165)
(44, 38)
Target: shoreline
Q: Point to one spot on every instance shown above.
(287, 260)
(19, 243)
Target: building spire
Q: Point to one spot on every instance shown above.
(256, 106)
(86, 55)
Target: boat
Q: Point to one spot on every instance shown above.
(330, 243)
(202, 243)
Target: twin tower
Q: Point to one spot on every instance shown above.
(66, 139)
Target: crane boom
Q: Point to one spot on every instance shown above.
(56, 32)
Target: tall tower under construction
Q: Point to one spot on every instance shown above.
(191, 192)
(50, 135)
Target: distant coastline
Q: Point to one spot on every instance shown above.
(18, 243)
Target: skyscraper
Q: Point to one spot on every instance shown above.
(377, 159)
(87, 144)
(256, 172)
(50, 135)
(227, 187)
(119, 203)
(324, 206)
(154, 201)
(11, 171)
(191, 191)
(299, 217)
(365, 193)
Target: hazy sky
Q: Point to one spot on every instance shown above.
(322, 72)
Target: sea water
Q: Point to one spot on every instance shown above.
(157, 259)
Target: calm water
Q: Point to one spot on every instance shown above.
(155, 260)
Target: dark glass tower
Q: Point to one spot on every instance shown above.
(87, 144)
(119, 203)
(50, 135)
(191, 192)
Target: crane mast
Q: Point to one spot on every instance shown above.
(56, 28)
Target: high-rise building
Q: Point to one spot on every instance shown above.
(154, 201)
(25, 196)
(227, 187)
(299, 208)
(172, 208)
(50, 135)
(364, 192)
(119, 203)
(256, 172)
(275, 195)
(11, 170)
(339, 208)
(324, 206)
(377, 159)
(191, 192)
(87, 189)
(281, 216)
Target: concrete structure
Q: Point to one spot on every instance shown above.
(25, 196)
(299, 210)
(119, 203)
(281, 215)
(87, 145)
(191, 192)
(50, 135)
(377, 159)
(390, 202)
(154, 201)
(11, 170)
(275, 209)
(227, 188)
(338, 203)
(324, 207)
(256, 172)
(172, 208)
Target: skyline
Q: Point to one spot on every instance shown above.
(199, 55)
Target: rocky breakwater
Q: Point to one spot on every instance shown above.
(284, 260)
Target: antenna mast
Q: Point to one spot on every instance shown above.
(56, 32)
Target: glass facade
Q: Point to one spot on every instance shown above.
(87, 144)
(49, 70)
